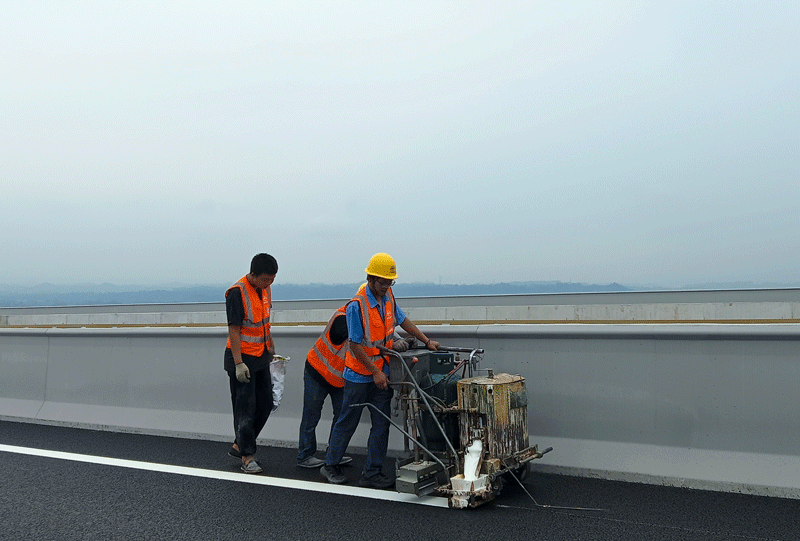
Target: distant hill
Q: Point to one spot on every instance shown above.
(110, 294)
(105, 294)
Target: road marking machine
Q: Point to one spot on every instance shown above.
(463, 433)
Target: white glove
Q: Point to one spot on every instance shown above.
(242, 373)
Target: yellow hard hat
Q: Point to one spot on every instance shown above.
(382, 265)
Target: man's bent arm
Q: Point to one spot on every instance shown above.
(408, 326)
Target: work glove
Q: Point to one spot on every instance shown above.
(402, 344)
(242, 373)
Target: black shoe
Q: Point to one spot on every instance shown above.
(235, 453)
(333, 474)
(376, 481)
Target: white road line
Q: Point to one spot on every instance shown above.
(232, 476)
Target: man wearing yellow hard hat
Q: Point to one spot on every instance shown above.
(371, 317)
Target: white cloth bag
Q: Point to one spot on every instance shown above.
(277, 371)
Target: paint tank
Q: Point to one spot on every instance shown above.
(494, 406)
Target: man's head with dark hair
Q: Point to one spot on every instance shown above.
(263, 264)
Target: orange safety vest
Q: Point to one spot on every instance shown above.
(326, 358)
(378, 331)
(255, 327)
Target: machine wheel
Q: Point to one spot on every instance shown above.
(497, 484)
(522, 472)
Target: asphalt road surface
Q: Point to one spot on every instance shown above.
(60, 483)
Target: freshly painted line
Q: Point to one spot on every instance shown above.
(231, 476)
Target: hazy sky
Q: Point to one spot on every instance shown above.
(170, 141)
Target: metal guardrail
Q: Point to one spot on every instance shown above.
(739, 306)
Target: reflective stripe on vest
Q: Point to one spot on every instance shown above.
(378, 331)
(255, 330)
(326, 358)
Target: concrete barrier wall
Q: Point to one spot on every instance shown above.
(699, 405)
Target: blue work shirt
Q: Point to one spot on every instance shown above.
(355, 330)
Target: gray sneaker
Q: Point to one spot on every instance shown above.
(310, 462)
(345, 460)
(251, 467)
(333, 474)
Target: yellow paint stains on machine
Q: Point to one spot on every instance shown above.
(494, 407)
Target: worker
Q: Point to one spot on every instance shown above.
(248, 353)
(371, 317)
(322, 377)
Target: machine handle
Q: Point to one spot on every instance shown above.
(460, 350)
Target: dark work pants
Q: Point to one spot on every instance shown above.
(345, 427)
(252, 404)
(314, 393)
